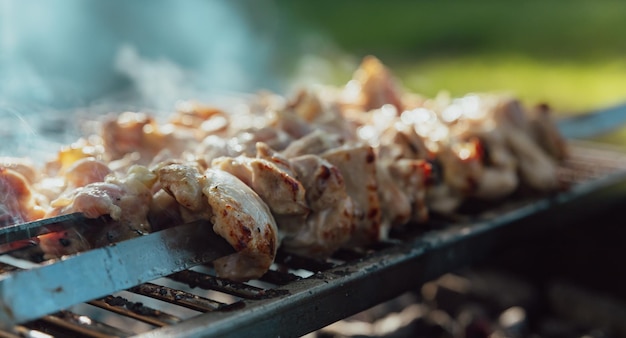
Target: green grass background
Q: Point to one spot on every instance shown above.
(570, 54)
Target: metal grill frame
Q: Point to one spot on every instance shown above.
(347, 289)
(334, 291)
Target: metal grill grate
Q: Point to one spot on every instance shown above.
(299, 295)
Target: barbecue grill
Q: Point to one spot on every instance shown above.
(162, 284)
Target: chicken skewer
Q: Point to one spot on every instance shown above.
(330, 168)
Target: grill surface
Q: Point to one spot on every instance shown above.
(301, 295)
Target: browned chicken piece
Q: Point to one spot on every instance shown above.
(372, 86)
(546, 133)
(264, 152)
(200, 119)
(290, 123)
(401, 141)
(401, 168)
(164, 211)
(316, 142)
(411, 177)
(125, 134)
(331, 223)
(86, 171)
(243, 143)
(477, 119)
(68, 155)
(18, 202)
(277, 187)
(237, 213)
(214, 146)
(185, 183)
(357, 164)
(306, 105)
(140, 135)
(24, 166)
(537, 169)
(476, 125)
(460, 173)
(499, 176)
(395, 204)
(125, 200)
(324, 114)
(245, 221)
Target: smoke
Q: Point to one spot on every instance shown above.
(65, 61)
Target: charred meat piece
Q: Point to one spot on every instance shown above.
(237, 213)
(125, 200)
(178, 197)
(331, 222)
(357, 164)
(245, 221)
(277, 187)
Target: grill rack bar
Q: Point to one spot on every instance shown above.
(350, 288)
(356, 280)
(178, 297)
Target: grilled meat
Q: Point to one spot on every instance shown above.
(328, 168)
(245, 221)
(125, 200)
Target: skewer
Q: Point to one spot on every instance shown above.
(106, 270)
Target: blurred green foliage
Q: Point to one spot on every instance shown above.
(570, 54)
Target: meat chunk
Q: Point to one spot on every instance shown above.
(245, 221)
(18, 202)
(280, 190)
(199, 119)
(185, 183)
(23, 166)
(86, 171)
(331, 222)
(546, 133)
(125, 200)
(536, 168)
(315, 143)
(401, 168)
(237, 213)
(139, 134)
(402, 191)
(373, 86)
(357, 164)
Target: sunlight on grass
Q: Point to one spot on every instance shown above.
(568, 87)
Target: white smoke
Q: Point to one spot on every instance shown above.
(64, 61)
